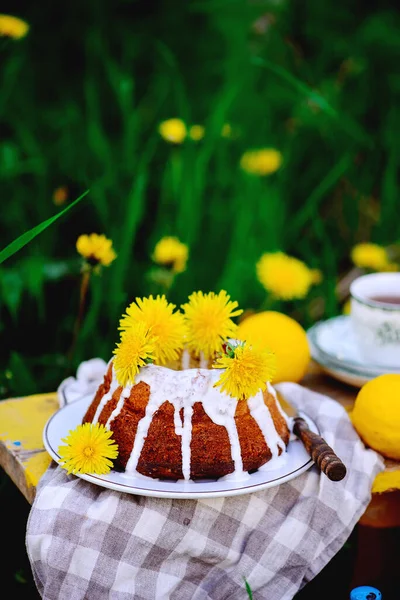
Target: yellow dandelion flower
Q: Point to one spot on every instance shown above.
(346, 308)
(60, 195)
(369, 256)
(226, 130)
(96, 249)
(135, 350)
(172, 253)
(89, 449)
(13, 27)
(247, 370)
(167, 326)
(316, 276)
(284, 276)
(196, 132)
(261, 162)
(209, 321)
(173, 130)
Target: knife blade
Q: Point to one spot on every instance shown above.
(321, 453)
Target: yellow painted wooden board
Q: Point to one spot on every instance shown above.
(22, 454)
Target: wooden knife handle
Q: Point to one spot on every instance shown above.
(320, 452)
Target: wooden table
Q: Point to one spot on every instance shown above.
(23, 457)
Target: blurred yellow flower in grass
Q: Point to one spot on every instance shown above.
(196, 132)
(135, 350)
(96, 249)
(173, 130)
(346, 308)
(246, 370)
(261, 162)
(166, 326)
(285, 277)
(226, 130)
(13, 27)
(370, 256)
(316, 276)
(88, 449)
(60, 195)
(390, 267)
(209, 321)
(172, 253)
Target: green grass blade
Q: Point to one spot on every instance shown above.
(134, 212)
(351, 127)
(311, 205)
(248, 588)
(21, 372)
(28, 236)
(182, 102)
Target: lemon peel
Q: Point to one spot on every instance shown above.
(376, 414)
(283, 336)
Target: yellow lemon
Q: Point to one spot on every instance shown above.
(376, 414)
(283, 336)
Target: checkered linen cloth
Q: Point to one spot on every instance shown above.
(86, 542)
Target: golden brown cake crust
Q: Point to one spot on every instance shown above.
(280, 423)
(255, 450)
(210, 448)
(161, 455)
(124, 426)
(102, 390)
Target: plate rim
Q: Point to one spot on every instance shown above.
(178, 494)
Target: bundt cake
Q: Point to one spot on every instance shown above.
(184, 399)
(177, 425)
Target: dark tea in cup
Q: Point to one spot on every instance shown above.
(386, 299)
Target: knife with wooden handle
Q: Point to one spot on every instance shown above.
(321, 453)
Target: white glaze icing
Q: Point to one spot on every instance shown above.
(261, 414)
(276, 462)
(185, 359)
(236, 476)
(186, 439)
(288, 420)
(273, 393)
(124, 394)
(183, 389)
(203, 361)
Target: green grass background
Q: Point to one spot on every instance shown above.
(81, 98)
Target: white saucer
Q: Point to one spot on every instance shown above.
(294, 462)
(334, 348)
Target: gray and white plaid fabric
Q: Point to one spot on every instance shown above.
(89, 543)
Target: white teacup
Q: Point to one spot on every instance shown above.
(375, 314)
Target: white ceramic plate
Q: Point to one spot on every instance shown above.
(67, 418)
(334, 348)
